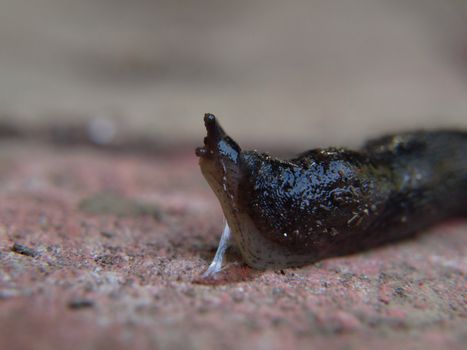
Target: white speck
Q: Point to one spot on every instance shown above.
(101, 130)
(352, 218)
(334, 232)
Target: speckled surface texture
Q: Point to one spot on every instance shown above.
(105, 250)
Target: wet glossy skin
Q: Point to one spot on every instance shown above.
(334, 201)
(313, 202)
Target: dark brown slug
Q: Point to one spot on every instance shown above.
(333, 201)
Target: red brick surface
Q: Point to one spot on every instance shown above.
(113, 246)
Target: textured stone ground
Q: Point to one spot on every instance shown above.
(105, 250)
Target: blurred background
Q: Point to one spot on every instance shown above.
(301, 73)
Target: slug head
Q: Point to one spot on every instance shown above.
(219, 160)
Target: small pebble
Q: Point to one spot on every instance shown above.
(77, 304)
(8, 293)
(277, 292)
(108, 234)
(23, 250)
(238, 295)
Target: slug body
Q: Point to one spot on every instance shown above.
(334, 201)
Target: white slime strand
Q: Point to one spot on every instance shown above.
(216, 264)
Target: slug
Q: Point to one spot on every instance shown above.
(333, 201)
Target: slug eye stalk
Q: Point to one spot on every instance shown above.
(216, 141)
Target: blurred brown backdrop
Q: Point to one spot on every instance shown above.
(296, 72)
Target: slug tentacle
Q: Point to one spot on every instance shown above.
(333, 201)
